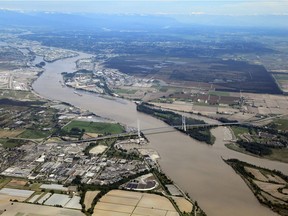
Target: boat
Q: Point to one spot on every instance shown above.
(75, 92)
(62, 84)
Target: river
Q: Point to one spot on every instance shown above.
(196, 167)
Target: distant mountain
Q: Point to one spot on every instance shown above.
(83, 21)
(136, 22)
(275, 21)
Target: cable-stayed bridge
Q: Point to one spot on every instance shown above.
(157, 130)
(170, 128)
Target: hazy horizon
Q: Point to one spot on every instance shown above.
(172, 7)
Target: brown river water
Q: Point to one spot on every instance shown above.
(196, 167)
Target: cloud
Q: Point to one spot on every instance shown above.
(197, 13)
(255, 8)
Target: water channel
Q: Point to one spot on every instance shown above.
(196, 167)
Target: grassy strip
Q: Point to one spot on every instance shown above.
(95, 127)
(125, 91)
(11, 143)
(17, 94)
(280, 124)
(34, 134)
(277, 154)
(239, 130)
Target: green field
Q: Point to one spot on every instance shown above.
(281, 76)
(239, 130)
(95, 127)
(35, 186)
(18, 95)
(34, 134)
(277, 154)
(281, 124)
(11, 143)
(282, 80)
(4, 181)
(125, 91)
(236, 147)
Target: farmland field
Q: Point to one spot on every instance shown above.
(110, 213)
(37, 210)
(18, 94)
(282, 80)
(115, 207)
(14, 183)
(7, 194)
(183, 204)
(5, 198)
(225, 75)
(257, 174)
(120, 200)
(272, 189)
(10, 133)
(89, 196)
(98, 149)
(126, 203)
(267, 185)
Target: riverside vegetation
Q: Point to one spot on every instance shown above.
(202, 134)
(269, 186)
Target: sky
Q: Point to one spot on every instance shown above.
(179, 7)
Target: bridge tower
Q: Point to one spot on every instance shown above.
(184, 123)
(138, 129)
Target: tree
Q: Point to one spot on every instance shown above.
(77, 180)
(193, 210)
